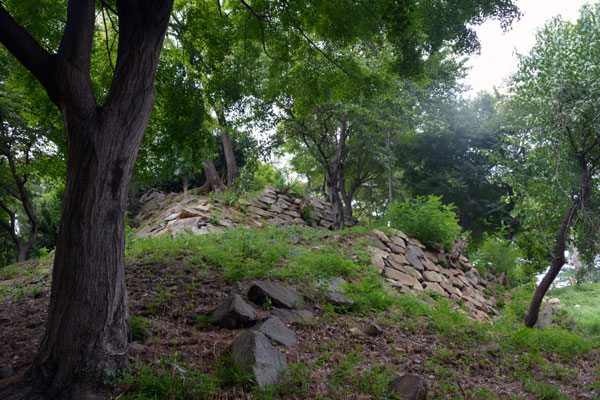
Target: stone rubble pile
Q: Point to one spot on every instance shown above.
(172, 214)
(410, 267)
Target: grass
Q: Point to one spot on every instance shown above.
(582, 303)
(303, 257)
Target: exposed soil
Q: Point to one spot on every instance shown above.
(172, 296)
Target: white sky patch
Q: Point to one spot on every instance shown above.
(497, 59)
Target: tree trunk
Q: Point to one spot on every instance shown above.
(87, 329)
(232, 167)
(346, 197)
(185, 186)
(561, 241)
(212, 176)
(336, 202)
(390, 177)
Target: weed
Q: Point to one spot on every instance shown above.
(139, 328)
(202, 321)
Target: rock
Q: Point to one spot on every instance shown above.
(280, 296)
(435, 287)
(355, 331)
(253, 353)
(373, 330)
(416, 250)
(545, 316)
(378, 263)
(376, 250)
(397, 240)
(381, 236)
(278, 332)
(335, 292)
(404, 279)
(395, 248)
(554, 301)
(432, 276)
(472, 276)
(414, 261)
(260, 212)
(292, 316)
(377, 243)
(137, 347)
(409, 387)
(6, 371)
(234, 313)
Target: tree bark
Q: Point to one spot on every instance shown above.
(561, 240)
(87, 330)
(232, 168)
(390, 177)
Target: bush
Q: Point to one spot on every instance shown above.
(499, 255)
(426, 219)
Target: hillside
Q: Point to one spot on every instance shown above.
(363, 318)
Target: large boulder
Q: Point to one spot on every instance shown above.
(254, 354)
(279, 295)
(234, 313)
(335, 292)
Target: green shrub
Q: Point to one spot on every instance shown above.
(139, 327)
(426, 219)
(500, 255)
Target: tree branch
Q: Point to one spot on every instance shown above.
(29, 53)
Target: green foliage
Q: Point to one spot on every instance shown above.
(581, 302)
(427, 219)
(498, 255)
(139, 327)
(172, 380)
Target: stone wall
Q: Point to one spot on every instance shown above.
(405, 262)
(410, 267)
(172, 214)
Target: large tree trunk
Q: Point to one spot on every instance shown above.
(87, 329)
(213, 183)
(561, 242)
(232, 168)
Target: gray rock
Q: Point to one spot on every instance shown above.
(6, 371)
(409, 387)
(416, 250)
(278, 332)
(280, 296)
(373, 330)
(254, 354)
(234, 313)
(292, 316)
(412, 258)
(335, 292)
(545, 316)
(377, 243)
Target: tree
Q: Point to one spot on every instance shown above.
(449, 158)
(88, 324)
(87, 328)
(556, 88)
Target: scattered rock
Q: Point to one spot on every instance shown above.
(355, 331)
(280, 296)
(234, 313)
(554, 301)
(335, 292)
(545, 316)
(409, 387)
(254, 354)
(373, 330)
(292, 316)
(137, 347)
(278, 332)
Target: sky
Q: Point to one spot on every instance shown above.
(497, 59)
